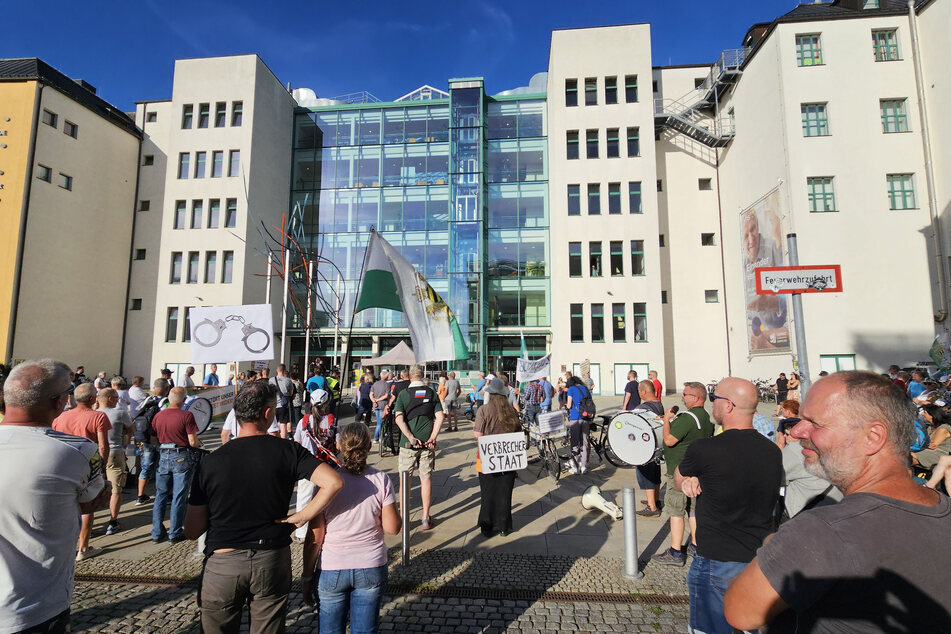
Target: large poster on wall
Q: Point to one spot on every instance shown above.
(231, 333)
(767, 323)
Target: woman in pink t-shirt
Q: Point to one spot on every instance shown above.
(353, 561)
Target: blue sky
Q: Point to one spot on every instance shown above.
(127, 48)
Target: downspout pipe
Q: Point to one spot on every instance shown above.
(135, 217)
(24, 211)
(942, 313)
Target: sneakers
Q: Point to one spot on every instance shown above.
(668, 558)
(427, 523)
(176, 540)
(112, 527)
(646, 512)
(89, 553)
(142, 499)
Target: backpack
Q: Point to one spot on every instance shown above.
(921, 436)
(142, 425)
(586, 406)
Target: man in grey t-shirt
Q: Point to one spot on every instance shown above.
(380, 395)
(878, 560)
(452, 401)
(119, 436)
(285, 394)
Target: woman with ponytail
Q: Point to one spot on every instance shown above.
(353, 562)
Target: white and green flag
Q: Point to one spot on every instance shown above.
(390, 281)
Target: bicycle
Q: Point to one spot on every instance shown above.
(389, 434)
(547, 448)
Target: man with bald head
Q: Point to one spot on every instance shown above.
(878, 560)
(735, 477)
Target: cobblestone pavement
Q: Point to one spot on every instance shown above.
(128, 608)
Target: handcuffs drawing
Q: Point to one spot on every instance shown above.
(219, 326)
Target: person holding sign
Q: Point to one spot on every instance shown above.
(496, 416)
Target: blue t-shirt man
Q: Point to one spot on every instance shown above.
(576, 393)
(548, 391)
(211, 379)
(316, 383)
(478, 390)
(915, 389)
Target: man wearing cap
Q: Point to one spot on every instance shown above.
(167, 375)
(419, 416)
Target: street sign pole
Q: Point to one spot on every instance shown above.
(803, 356)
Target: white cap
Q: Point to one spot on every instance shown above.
(319, 397)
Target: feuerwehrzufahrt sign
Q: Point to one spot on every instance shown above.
(772, 280)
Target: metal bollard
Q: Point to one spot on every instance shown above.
(631, 568)
(404, 507)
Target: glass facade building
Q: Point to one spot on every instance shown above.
(458, 185)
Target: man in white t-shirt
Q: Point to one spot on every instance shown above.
(188, 381)
(231, 428)
(57, 477)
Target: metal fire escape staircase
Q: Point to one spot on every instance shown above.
(697, 114)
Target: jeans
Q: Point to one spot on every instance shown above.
(578, 432)
(260, 578)
(172, 483)
(531, 412)
(707, 581)
(379, 423)
(358, 591)
(362, 412)
(149, 461)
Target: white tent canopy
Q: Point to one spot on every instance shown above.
(401, 354)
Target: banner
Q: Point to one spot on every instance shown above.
(222, 334)
(767, 323)
(502, 452)
(940, 351)
(526, 370)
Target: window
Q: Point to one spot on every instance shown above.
(591, 144)
(171, 325)
(808, 51)
(140, 254)
(175, 275)
(597, 323)
(211, 263)
(614, 198)
(234, 162)
(145, 205)
(654, 85)
(617, 323)
(901, 191)
(711, 296)
(227, 266)
(571, 92)
(708, 240)
(151, 117)
(187, 325)
(634, 197)
(574, 259)
(214, 211)
(183, 160)
(591, 91)
(660, 185)
(640, 321)
(217, 161)
(663, 297)
(613, 143)
(44, 173)
(221, 114)
(698, 82)
(574, 200)
(573, 145)
(188, 111)
(633, 142)
(70, 129)
(203, 114)
(617, 258)
(821, 193)
(594, 258)
(885, 45)
(178, 221)
(200, 164)
(894, 117)
(193, 267)
(237, 113)
(662, 241)
(610, 90)
(231, 213)
(148, 159)
(836, 362)
(65, 181)
(630, 88)
(50, 118)
(577, 322)
(637, 257)
(705, 184)
(136, 304)
(815, 121)
(594, 199)
(869, 4)
(197, 209)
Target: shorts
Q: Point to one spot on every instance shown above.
(450, 404)
(648, 475)
(283, 414)
(411, 459)
(676, 503)
(116, 469)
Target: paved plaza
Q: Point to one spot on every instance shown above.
(561, 570)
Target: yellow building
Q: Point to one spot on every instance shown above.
(68, 169)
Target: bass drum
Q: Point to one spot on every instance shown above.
(636, 437)
(201, 409)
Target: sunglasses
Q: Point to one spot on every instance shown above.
(69, 390)
(714, 397)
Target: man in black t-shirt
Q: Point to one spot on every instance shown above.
(397, 387)
(632, 397)
(735, 477)
(240, 495)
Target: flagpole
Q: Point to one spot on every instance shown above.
(308, 331)
(345, 366)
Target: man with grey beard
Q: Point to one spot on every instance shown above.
(878, 560)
